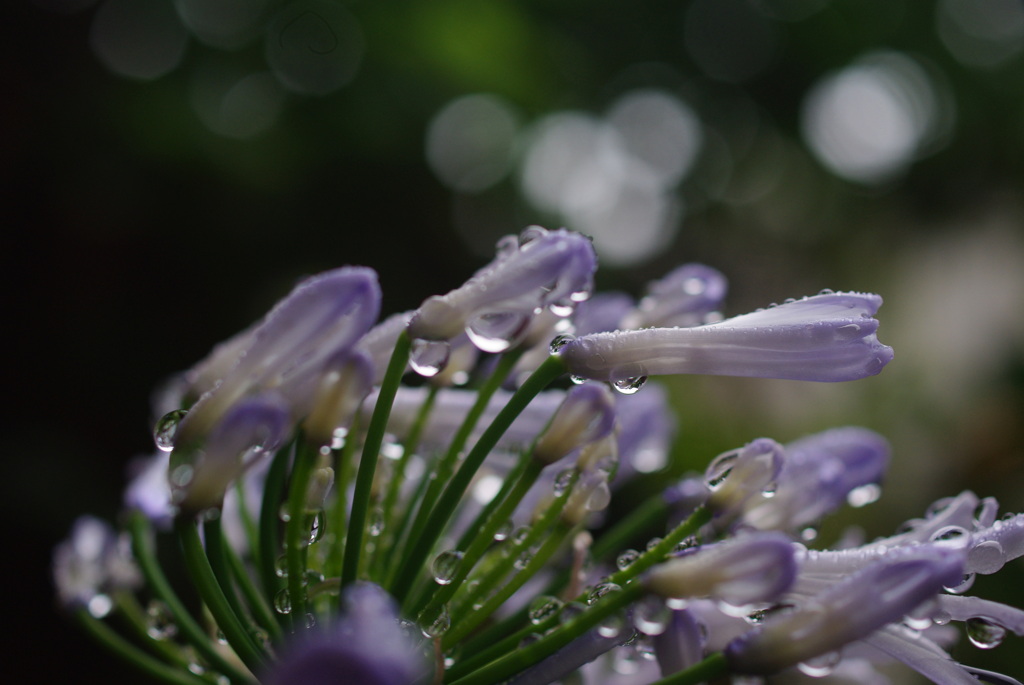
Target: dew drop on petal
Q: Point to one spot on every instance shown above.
(446, 566)
(629, 386)
(167, 428)
(985, 634)
(986, 557)
(429, 357)
(559, 342)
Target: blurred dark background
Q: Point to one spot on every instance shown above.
(170, 168)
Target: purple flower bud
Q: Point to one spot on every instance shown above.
(681, 645)
(251, 428)
(601, 313)
(148, 490)
(685, 298)
(743, 570)
(586, 415)
(736, 476)
(819, 473)
(827, 337)
(542, 269)
(323, 316)
(646, 428)
(365, 646)
(343, 384)
(879, 594)
(380, 340)
(993, 546)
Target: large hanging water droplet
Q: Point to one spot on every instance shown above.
(600, 497)
(167, 428)
(624, 560)
(436, 626)
(159, 622)
(283, 602)
(600, 591)
(446, 566)
(963, 586)
(986, 557)
(985, 634)
(611, 626)
(429, 357)
(651, 616)
(628, 386)
(497, 331)
(577, 380)
(543, 608)
(559, 342)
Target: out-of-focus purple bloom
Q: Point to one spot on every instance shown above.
(646, 428)
(586, 415)
(322, 317)
(93, 561)
(818, 474)
(826, 337)
(602, 313)
(879, 594)
(346, 380)
(927, 658)
(681, 645)
(148, 490)
(366, 646)
(739, 571)
(540, 269)
(686, 297)
(251, 428)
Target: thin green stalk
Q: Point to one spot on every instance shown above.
(512, 663)
(261, 610)
(252, 534)
(344, 465)
(296, 531)
(660, 552)
(412, 508)
(368, 461)
(446, 505)
(212, 595)
(483, 540)
(156, 581)
(216, 553)
(712, 668)
(270, 525)
(149, 665)
(447, 465)
(128, 607)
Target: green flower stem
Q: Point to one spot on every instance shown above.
(270, 525)
(248, 524)
(546, 524)
(388, 539)
(411, 509)
(483, 539)
(216, 553)
(641, 519)
(494, 642)
(213, 596)
(539, 560)
(712, 668)
(128, 607)
(368, 461)
(487, 511)
(448, 463)
(296, 531)
(142, 550)
(261, 610)
(344, 469)
(149, 665)
(439, 516)
(524, 657)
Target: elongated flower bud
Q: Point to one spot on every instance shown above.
(345, 383)
(744, 570)
(586, 415)
(739, 475)
(829, 337)
(882, 593)
(541, 269)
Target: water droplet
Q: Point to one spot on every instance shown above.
(611, 626)
(652, 543)
(429, 357)
(438, 625)
(446, 566)
(864, 495)
(563, 307)
(260, 637)
(571, 611)
(984, 634)
(820, 666)
(809, 534)
(623, 561)
(504, 530)
(506, 245)
(310, 621)
(283, 513)
(317, 526)
(559, 342)
(520, 534)
(826, 291)
(650, 615)
(375, 525)
(986, 557)
(951, 534)
(628, 386)
(523, 560)
(677, 603)
(577, 380)
(311, 578)
(600, 497)
(181, 475)
(937, 507)
(159, 622)
(498, 331)
(563, 481)
(719, 469)
(529, 639)
(543, 608)
(600, 591)
(283, 602)
(281, 566)
(167, 428)
(531, 233)
(963, 586)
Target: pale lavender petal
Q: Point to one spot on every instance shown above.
(586, 415)
(573, 656)
(681, 645)
(149, 492)
(920, 654)
(739, 475)
(821, 338)
(646, 428)
(685, 297)
(601, 313)
(957, 608)
(995, 545)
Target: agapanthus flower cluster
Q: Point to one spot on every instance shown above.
(424, 499)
